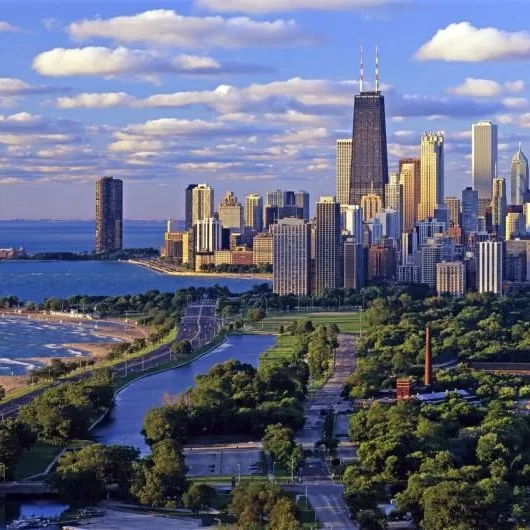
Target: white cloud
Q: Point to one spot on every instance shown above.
(6, 26)
(302, 136)
(132, 144)
(515, 103)
(99, 100)
(269, 6)
(163, 26)
(102, 61)
(515, 86)
(174, 127)
(462, 41)
(477, 88)
(208, 166)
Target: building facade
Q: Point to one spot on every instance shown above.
(354, 264)
(369, 149)
(208, 235)
(189, 206)
(292, 257)
(410, 180)
(451, 278)
(109, 214)
(469, 211)
(453, 206)
(432, 174)
(343, 154)
(499, 207)
(371, 203)
(490, 270)
(483, 161)
(328, 273)
(263, 249)
(519, 178)
(202, 203)
(254, 212)
(231, 212)
(301, 201)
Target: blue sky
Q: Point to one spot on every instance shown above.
(241, 94)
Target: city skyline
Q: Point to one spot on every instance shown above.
(186, 95)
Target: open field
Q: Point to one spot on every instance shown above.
(281, 351)
(348, 322)
(36, 460)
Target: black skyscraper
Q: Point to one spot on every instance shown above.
(109, 214)
(369, 156)
(189, 205)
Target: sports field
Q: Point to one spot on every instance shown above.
(350, 322)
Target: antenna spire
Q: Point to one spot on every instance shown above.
(362, 71)
(376, 68)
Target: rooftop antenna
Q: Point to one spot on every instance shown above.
(376, 68)
(362, 71)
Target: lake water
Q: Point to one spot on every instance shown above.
(21, 340)
(37, 280)
(124, 424)
(76, 236)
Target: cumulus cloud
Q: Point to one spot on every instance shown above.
(302, 136)
(462, 41)
(97, 100)
(515, 103)
(6, 26)
(515, 86)
(478, 88)
(269, 6)
(163, 26)
(208, 166)
(175, 127)
(102, 61)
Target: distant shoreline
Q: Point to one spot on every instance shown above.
(233, 275)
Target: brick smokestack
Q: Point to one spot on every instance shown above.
(427, 378)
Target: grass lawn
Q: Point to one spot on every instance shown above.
(348, 322)
(281, 351)
(36, 460)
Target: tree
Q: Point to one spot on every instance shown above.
(15, 439)
(199, 496)
(182, 347)
(2, 392)
(371, 520)
(79, 488)
(166, 423)
(279, 442)
(283, 516)
(252, 502)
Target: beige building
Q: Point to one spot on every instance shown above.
(343, 170)
(254, 212)
(230, 211)
(453, 206)
(515, 225)
(371, 204)
(201, 203)
(263, 249)
(409, 178)
(432, 174)
(177, 246)
(451, 278)
(203, 259)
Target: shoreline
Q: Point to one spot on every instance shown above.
(232, 275)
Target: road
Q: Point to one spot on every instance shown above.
(199, 322)
(324, 495)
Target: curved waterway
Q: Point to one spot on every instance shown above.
(124, 424)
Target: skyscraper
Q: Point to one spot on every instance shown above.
(275, 198)
(394, 198)
(469, 210)
(343, 170)
(371, 203)
(208, 235)
(490, 266)
(254, 212)
(453, 205)
(109, 214)
(202, 203)
(483, 161)
(410, 179)
(301, 200)
(353, 222)
(499, 207)
(354, 264)
(519, 188)
(189, 205)
(292, 257)
(328, 245)
(451, 278)
(230, 211)
(432, 174)
(515, 225)
(369, 152)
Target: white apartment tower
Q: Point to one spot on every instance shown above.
(343, 170)
(490, 266)
(484, 159)
(432, 174)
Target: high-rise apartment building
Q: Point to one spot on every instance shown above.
(451, 278)
(432, 174)
(453, 206)
(515, 225)
(519, 181)
(410, 179)
(327, 245)
(490, 270)
(292, 257)
(254, 212)
(369, 150)
(208, 235)
(394, 198)
(354, 264)
(301, 200)
(483, 161)
(189, 206)
(231, 212)
(371, 203)
(353, 222)
(499, 207)
(202, 203)
(469, 210)
(109, 214)
(343, 170)
(276, 198)
(263, 249)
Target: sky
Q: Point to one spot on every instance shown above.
(245, 95)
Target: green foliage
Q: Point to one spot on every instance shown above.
(199, 497)
(15, 439)
(279, 442)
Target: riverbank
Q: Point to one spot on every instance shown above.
(237, 276)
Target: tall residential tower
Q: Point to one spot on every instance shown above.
(432, 174)
(109, 214)
(483, 161)
(343, 170)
